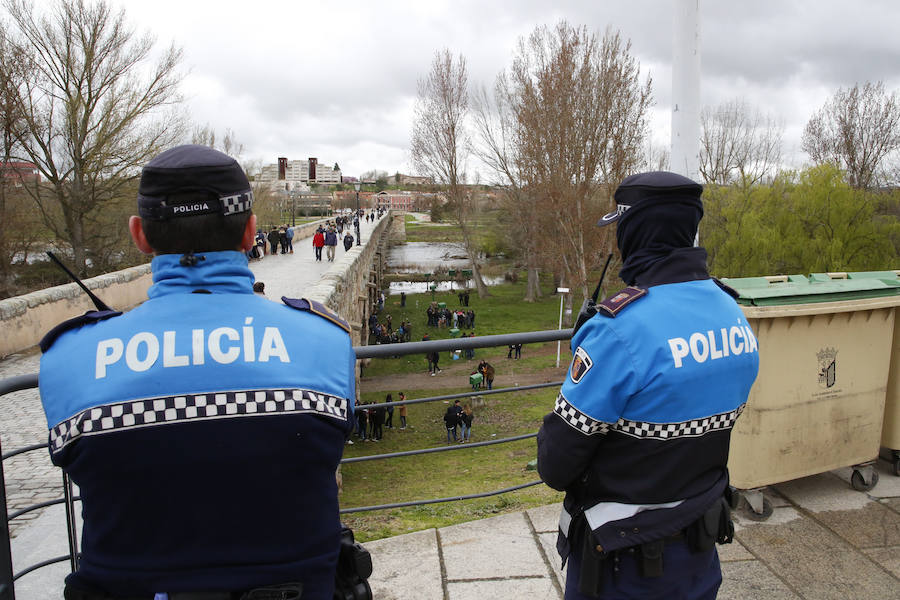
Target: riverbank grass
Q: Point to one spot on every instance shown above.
(468, 470)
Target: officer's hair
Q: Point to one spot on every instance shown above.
(197, 233)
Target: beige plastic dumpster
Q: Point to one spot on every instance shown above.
(890, 433)
(890, 436)
(818, 402)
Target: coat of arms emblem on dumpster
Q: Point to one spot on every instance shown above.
(827, 365)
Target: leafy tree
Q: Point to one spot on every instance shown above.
(802, 223)
(857, 129)
(93, 111)
(381, 184)
(836, 227)
(336, 167)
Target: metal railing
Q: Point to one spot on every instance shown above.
(24, 382)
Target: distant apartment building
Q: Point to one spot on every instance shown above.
(297, 175)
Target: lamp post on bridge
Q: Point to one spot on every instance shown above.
(356, 215)
(562, 291)
(293, 208)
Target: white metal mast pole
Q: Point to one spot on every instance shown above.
(686, 89)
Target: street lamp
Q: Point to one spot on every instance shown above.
(356, 218)
(561, 291)
(293, 208)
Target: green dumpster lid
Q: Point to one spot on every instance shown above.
(818, 287)
(442, 304)
(887, 276)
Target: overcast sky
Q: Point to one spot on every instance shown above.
(337, 80)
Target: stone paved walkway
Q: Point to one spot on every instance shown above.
(824, 541)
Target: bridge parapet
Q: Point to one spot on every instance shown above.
(25, 319)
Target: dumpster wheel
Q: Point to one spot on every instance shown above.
(763, 507)
(858, 480)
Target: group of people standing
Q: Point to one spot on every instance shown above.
(459, 417)
(278, 238)
(384, 332)
(437, 316)
(371, 422)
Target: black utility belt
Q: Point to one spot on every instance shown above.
(286, 591)
(714, 526)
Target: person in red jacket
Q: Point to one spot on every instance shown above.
(318, 242)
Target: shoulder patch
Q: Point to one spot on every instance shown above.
(316, 308)
(91, 316)
(618, 301)
(727, 289)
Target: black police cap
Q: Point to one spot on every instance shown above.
(214, 182)
(646, 188)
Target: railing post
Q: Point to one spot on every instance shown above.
(7, 592)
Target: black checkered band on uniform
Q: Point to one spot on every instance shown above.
(161, 209)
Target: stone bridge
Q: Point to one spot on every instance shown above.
(348, 286)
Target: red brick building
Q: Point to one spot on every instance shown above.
(20, 172)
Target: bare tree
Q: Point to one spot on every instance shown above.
(94, 111)
(738, 145)
(576, 127)
(856, 130)
(496, 126)
(205, 135)
(440, 143)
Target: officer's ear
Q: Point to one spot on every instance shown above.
(137, 234)
(249, 237)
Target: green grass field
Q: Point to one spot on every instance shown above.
(468, 470)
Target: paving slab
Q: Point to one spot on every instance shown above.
(508, 589)
(892, 503)
(814, 561)
(406, 567)
(545, 518)
(823, 492)
(733, 552)
(873, 526)
(43, 538)
(548, 543)
(748, 580)
(888, 557)
(498, 545)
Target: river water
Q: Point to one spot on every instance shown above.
(426, 257)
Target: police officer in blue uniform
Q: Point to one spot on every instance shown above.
(639, 435)
(202, 428)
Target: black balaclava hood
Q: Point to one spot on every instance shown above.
(658, 214)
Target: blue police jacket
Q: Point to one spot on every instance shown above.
(640, 430)
(203, 429)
